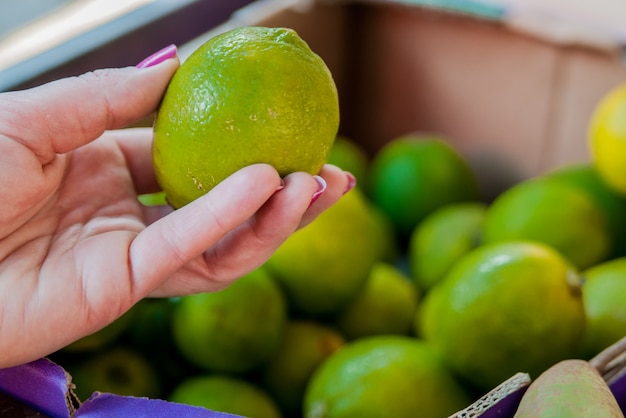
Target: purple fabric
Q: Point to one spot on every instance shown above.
(506, 407)
(618, 388)
(106, 405)
(41, 384)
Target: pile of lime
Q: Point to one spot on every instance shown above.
(412, 296)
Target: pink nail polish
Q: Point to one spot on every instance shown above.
(351, 182)
(158, 57)
(321, 187)
(280, 186)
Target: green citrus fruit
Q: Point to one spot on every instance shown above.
(384, 376)
(385, 305)
(350, 156)
(607, 138)
(117, 370)
(442, 238)
(613, 205)
(324, 265)
(233, 330)
(413, 175)
(305, 346)
(250, 95)
(226, 394)
(505, 308)
(604, 297)
(554, 213)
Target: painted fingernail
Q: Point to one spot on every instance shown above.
(321, 183)
(158, 57)
(280, 186)
(351, 182)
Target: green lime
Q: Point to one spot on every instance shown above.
(324, 265)
(413, 175)
(604, 296)
(350, 156)
(250, 95)
(385, 305)
(552, 212)
(234, 330)
(384, 376)
(226, 394)
(117, 370)
(505, 308)
(613, 205)
(442, 238)
(306, 345)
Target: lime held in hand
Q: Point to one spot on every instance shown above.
(250, 95)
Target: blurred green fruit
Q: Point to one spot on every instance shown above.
(234, 330)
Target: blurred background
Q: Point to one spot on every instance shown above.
(38, 36)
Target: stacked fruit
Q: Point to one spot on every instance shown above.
(412, 296)
(377, 308)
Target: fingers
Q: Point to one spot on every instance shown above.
(173, 241)
(136, 144)
(65, 114)
(338, 182)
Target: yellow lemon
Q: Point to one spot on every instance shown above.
(607, 138)
(250, 95)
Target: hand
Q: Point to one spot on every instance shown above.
(77, 249)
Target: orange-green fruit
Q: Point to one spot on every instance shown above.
(385, 305)
(604, 297)
(350, 156)
(226, 394)
(571, 388)
(554, 213)
(505, 308)
(442, 238)
(384, 376)
(586, 177)
(250, 95)
(413, 175)
(607, 138)
(305, 346)
(234, 330)
(324, 265)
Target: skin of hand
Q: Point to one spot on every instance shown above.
(77, 248)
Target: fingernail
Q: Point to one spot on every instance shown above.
(351, 182)
(158, 57)
(321, 183)
(280, 186)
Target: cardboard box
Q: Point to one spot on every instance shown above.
(515, 103)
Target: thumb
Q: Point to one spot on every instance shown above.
(62, 115)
